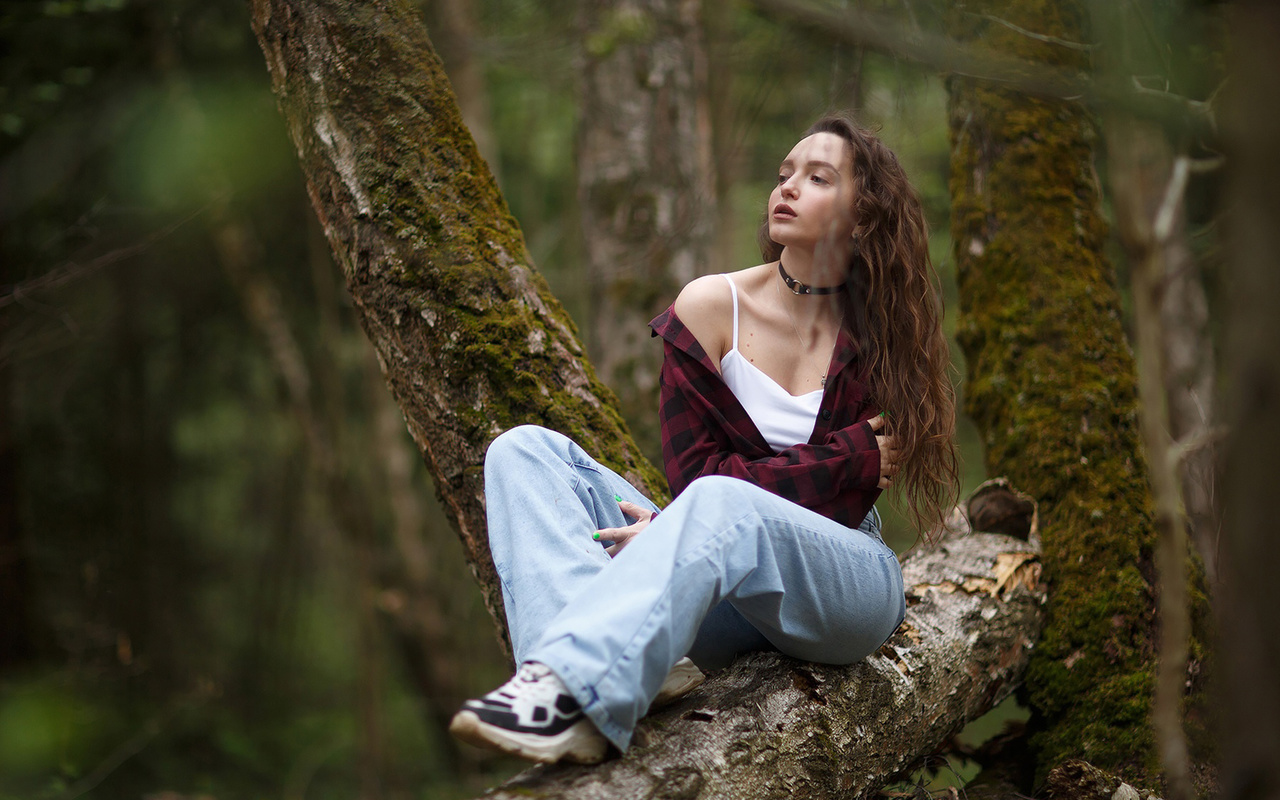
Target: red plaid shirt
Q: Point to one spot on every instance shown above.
(706, 431)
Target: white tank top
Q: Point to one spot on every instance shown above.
(784, 419)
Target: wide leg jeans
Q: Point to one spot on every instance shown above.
(726, 568)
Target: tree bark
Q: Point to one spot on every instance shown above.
(1052, 384)
(468, 335)
(771, 726)
(1250, 643)
(645, 183)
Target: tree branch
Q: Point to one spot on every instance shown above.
(71, 270)
(885, 34)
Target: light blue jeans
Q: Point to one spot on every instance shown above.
(725, 569)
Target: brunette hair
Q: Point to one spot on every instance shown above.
(895, 318)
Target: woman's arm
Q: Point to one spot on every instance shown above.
(703, 434)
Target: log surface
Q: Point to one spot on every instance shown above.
(771, 726)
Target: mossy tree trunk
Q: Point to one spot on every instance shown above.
(645, 183)
(468, 335)
(1052, 384)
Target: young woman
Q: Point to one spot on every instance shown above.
(780, 385)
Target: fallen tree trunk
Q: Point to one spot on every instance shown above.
(771, 726)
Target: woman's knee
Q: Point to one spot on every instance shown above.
(720, 488)
(521, 437)
(520, 444)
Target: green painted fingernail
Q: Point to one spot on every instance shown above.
(618, 497)
(596, 536)
(882, 413)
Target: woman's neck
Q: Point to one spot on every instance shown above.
(809, 312)
(803, 266)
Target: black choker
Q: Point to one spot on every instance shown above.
(797, 287)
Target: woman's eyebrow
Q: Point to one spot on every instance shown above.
(786, 162)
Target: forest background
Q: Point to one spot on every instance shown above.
(222, 555)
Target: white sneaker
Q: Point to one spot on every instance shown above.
(683, 678)
(532, 716)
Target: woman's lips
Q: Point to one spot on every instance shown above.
(783, 211)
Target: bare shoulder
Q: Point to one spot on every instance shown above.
(755, 281)
(705, 306)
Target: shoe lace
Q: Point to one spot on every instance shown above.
(533, 683)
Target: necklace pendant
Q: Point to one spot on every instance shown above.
(823, 382)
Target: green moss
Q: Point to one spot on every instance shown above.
(513, 345)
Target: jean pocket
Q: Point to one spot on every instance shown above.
(871, 525)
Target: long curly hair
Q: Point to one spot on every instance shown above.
(895, 314)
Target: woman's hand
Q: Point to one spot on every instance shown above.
(620, 536)
(888, 453)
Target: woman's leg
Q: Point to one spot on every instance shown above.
(811, 587)
(726, 634)
(544, 499)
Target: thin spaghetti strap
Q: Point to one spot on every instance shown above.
(733, 288)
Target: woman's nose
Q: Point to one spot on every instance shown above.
(789, 190)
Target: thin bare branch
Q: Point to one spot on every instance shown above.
(885, 34)
(1196, 440)
(1174, 194)
(71, 270)
(1203, 166)
(1040, 37)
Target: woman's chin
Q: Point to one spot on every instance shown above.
(785, 235)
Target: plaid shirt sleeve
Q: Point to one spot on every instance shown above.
(706, 431)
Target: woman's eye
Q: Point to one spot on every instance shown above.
(818, 179)
(781, 179)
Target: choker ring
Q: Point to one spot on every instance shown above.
(799, 288)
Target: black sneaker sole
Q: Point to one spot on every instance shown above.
(580, 743)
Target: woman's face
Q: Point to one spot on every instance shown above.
(812, 205)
